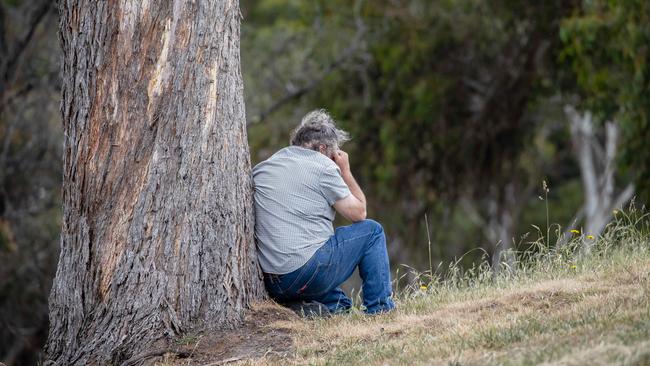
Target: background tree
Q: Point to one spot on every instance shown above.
(605, 62)
(597, 167)
(30, 174)
(157, 219)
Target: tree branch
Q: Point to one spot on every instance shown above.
(9, 65)
(3, 31)
(348, 53)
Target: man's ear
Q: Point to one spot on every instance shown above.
(328, 152)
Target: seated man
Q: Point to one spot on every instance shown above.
(296, 192)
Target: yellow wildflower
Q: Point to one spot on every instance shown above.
(423, 287)
(590, 237)
(575, 231)
(574, 266)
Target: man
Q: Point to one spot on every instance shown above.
(297, 191)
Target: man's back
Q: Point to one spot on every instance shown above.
(294, 192)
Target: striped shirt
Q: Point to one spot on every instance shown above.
(294, 193)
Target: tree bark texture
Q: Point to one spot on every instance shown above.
(157, 235)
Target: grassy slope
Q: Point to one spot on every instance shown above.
(556, 309)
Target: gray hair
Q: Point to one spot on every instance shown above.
(318, 127)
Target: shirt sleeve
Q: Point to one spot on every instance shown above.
(332, 185)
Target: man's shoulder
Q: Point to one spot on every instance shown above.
(302, 154)
(278, 154)
(299, 157)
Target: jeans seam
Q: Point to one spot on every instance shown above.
(303, 269)
(355, 238)
(302, 289)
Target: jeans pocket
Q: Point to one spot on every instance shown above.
(301, 280)
(290, 281)
(320, 283)
(305, 288)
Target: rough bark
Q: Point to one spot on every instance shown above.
(157, 225)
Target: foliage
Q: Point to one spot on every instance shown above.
(415, 101)
(443, 99)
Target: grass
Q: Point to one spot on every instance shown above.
(550, 306)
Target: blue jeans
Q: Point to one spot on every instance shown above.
(361, 244)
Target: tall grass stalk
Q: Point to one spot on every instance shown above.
(426, 221)
(548, 226)
(628, 231)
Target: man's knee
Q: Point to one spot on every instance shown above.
(372, 224)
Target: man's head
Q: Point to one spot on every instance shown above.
(317, 131)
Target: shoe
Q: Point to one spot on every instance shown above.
(309, 309)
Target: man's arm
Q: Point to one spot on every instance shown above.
(352, 207)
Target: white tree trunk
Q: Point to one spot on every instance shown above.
(597, 162)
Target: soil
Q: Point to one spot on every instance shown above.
(257, 337)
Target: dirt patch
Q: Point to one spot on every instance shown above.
(632, 275)
(548, 296)
(543, 300)
(259, 336)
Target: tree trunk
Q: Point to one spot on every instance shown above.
(597, 164)
(498, 218)
(500, 230)
(157, 225)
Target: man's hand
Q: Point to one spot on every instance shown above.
(340, 157)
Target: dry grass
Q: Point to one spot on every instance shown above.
(555, 307)
(599, 318)
(558, 307)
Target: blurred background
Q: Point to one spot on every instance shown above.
(501, 122)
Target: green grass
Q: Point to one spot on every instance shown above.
(555, 306)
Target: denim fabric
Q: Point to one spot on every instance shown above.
(361, 244)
